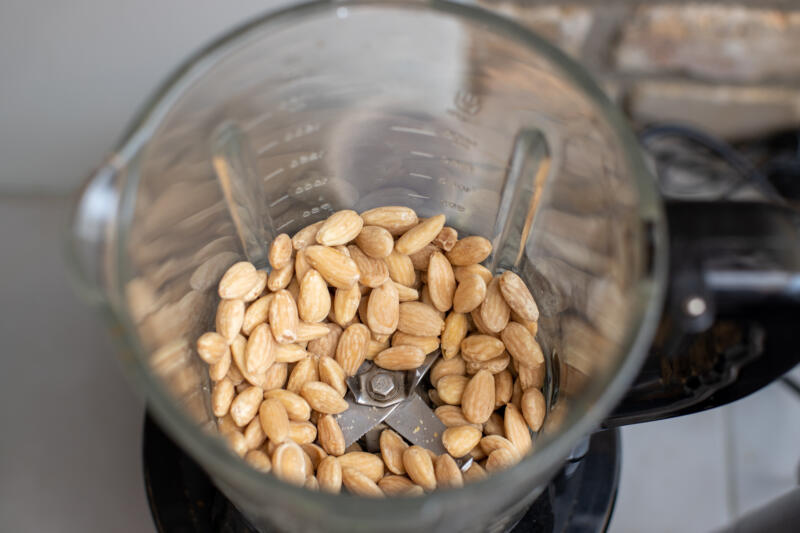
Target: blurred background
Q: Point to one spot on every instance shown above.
(74, 73)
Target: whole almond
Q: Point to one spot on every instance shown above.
(396, 220)
(296, 407)
(352, 348)
(275, 376)
(238, 280)
(494, 365)
(345, 304)
(258, 289)
(533, 408)
(226, 425)
(530, 376)
(400, 358)
(530, 325)
(259, 351)
(477, 321)
(283, 317)
(477, 401)
(331, 372)
(375, 347)
(494, 309)
(256, 313)
(417, 318)
(518, 296)
(425, 297)
(392, 447)
(375, 241)
(258, 460)
(448, 475)
(329, 475)
(330, 435)
(426, 344)
(383, 309)
(455, 331)
(289, 353)
(516, 429)
(394, 485)
(421, 258)
(236, 442)
(314, 302)
(315, 452)
(359, 484)
(245, 406)
(406, 294)
(372, 272)
(459, 440)
(363, 306)
(452, 416)
(503, 387)
(401, 269)
(301, 266)
(219, 370)
(419, 466)
(211, 347)
(521, 345)
(338, 270)
(481, 348)
(230, 316)
(239, 366)
(446, 239)
(309, 331)
(461, 272)
(441, 282)
(326, 346)
(289, 463)
(280, 278)
(500, 459)
(221, 397)
(280, 251)
(274, 420)
(516, 394)
(469, 250)
(302, 432)
(306, 236)
(469, 294)
(340, 228)
(474, 473)
(417, 237)
(494, 426)
(451, 388)
(369, 464)
(447, 367)
(303, 372)
(323, 398)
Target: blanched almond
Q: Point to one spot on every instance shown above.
(474, 473)
(211, 347)
(494, 426)
(309, 331)
(533, 408)
(421, 258)
(375, 347)
(236, 442)
(455, 331)
(330, 435)
(383, 309)
(280, 278)
(258, 460)
(296, 407)
(256, 313)
(530, 325)
(521, 345)
(469, 250)
(245, 405)
(518, 296)
(345, 304)
(303, 372)
(221, 397)
(375, 241)
(314, 302)
(352, 348)
(338, 270)
(459, 440)
(417, 318)
(359, 484)
(274, 420)
(301, 266)
(477, 321)
(500, 459)
(397, 220)
(530, 376)
(323, 398)
(372, 272)
(394, 485)
(469, 294)
(477, 401)
(329, 475)
(406, 294)
(259, 352)
(448, 475)
(315, 453)
(392, 447)
(289, 463)
(452, 416)
(441, 282)
(401, 269)
(340, 228)
(219, 370)
(446, 239)
(283, 317)
(417, 237)
(369, 464)
(230, 315)
(289, 353)
(238, 280)
(258, 289)
(503, 387)
(447, 367)
(306, 236)
(275, 376)
(494, 309)
(426, 344)
(326, 346)
(494, 365)
(400, 358)
(461, 272)
(451, 388)
(331, 372)
(419, 466)
(280, 251)
(302, 433)
(481, 348)
(516, 429)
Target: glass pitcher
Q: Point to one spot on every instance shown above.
(352, 105)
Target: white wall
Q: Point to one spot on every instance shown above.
(72, 73)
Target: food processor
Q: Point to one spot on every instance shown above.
(445, 108)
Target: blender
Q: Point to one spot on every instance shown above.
(444, 108)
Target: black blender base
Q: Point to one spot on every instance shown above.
(182, 498)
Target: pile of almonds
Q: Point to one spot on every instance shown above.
(389, 287)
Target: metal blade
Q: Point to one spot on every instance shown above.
(417, 422)
(358, 419)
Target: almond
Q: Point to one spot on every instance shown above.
(477, 401)
(400, 268)
(469, 250)
(419, 466)
(375, 347)
(451, 388)
(530, 325)
(211, 347)
(470, 293)
(275, 376)
(459, 440)
(219, 370)
(421, 258)
(326, 346)
(363, 305)
(340, 228)
(455, 331)
(396, 220)
(352, 348)
(258, 460)
(448, 475)
(280, 251)
(417, 318)
(518, 297)
(280, 278)
(417, 237)
(245, 406)
(236, 442)
(441, 282)
(446, 239)
(323, 398)
(393, 485)
(314, 302)
(400, 358)
(452, 416)
(259, 351)
(338, 270)
(461, 272)
(474, 473)
(494, 309)
(283, 317)
(238, 280)
(258, 289)
(315, 452)
(521, 345)
(359, 484)
(426, 344)
(345, 304)
(501, 459)
(296, 407)
(330, 435)
(274, 420)
(494, 365)
(230, 315)
(373, 272)
(494, 426)
(477, 321)
(383, 309)
(256, 313)
(516, 394)
(289, 353)
(301, 266)
(303, 372)
(447, 367)
(307, 331)
(503, 387)
(303, 433)
(289, 463)
(533, 408)
(406, 294)
(375, 241)
(329, 475)
(516, 429)
(392, 447)
(369, 464)
(481, 348)
(238, 351)
(226, 425)
(221, 397)
(530, 376)
(331, 372)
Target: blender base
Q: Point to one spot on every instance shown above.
(580, 499)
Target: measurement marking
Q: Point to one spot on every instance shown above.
(423, 176)
(279, 200)
(258, 120)
(422, 154)
(285, 224)
(417, 131)
(415, 195)
(273, 174)
(269, 146)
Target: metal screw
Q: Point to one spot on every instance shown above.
(381, 387)
(695, 306)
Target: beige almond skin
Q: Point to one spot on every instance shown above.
(315, 452)
(406, 294)
(516, 429)
(452, 416)
(236, 442)
(323, 398)
(229, 319)
(345, 305)
(400, 358)
(469, 250)
(352, 348)
(521, 345)
(280, 278)
(420, 235)
(459, 440)
(372, 272)
(309, 331)
(302, 432)
(275, 377)
(330, 435)
(306, 236)
(375, 347)
(494, 310)
(426, 344)
(518, 297)
(237, 281)
(447, 367)
(301, 266)
(340, 228)
(417, 318)
(421, 258)
(500, 459)
(400, 268)
(304, 371)
(289, 463)
(359, 484)
(446, 239)
(477, 321)
(256, 313)
(395, 219)
(383, 309)
(326, 346)
(490, 443)
(394, 485)
(332, 373)
(211, 347)
(441, 282)
(448, 475)
(392, 447)
(259, 351)
(289, 353)
(338, 270)
(461, 272)
(280, 251)
(219, 370)
(375, 241)
(274, 420)
(474, 473)
(245, 405)
(481, 348)
(329, 475)
(533, 408)
(477, 401)
(258, 460)
(494, 426)
(503, 387)
(221, 397)
(296, 407)
(283, 317)
(455, 331)
(369, 464)
(419, 466)
(470, 293)
(314, 302)
(494, 365)
(451, 388)
(258, 289)
(530, 376)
